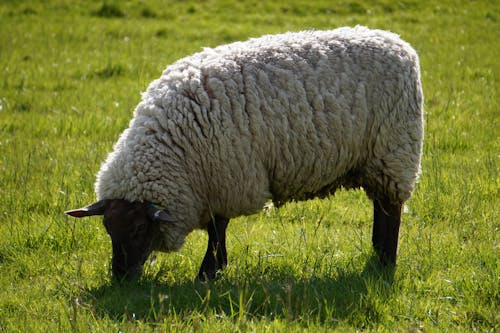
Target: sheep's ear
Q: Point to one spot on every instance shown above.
(159, 215)
(97, 208)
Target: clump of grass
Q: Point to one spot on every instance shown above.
(160, 33)
(148, 13)
(108, 11)
(110, 70)
(29, 11)
(356, 8)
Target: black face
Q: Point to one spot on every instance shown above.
(134, 228)
(133, 235)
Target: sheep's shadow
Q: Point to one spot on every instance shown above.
(277, 295)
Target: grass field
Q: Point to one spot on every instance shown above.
(72, 73)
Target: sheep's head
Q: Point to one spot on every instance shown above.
(134, 228)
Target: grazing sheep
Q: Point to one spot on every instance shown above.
(281, 117)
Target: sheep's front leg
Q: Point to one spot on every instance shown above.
(216, 256)
(386, 221)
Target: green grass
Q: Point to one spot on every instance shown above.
(71, 76)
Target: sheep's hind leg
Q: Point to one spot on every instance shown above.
(386, 221)
(216, 256)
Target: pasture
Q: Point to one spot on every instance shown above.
(71, 75)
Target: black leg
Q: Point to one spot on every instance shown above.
(386, 221)
(216, 256)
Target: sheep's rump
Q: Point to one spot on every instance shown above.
(279, 117)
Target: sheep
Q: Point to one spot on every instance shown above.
(278, 118)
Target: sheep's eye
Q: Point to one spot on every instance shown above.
(140, 228)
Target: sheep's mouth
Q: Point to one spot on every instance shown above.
(129, 274)
(131, 270)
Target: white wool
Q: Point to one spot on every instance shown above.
(280, 117)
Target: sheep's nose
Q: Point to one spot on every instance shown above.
(121, 274)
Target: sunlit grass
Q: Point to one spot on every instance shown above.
(72, 74)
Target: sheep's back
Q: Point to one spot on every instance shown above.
(287, 116)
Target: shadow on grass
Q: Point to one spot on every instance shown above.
(272, 293)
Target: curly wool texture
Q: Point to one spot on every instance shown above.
(280, 117)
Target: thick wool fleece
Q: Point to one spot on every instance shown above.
(280, 117)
